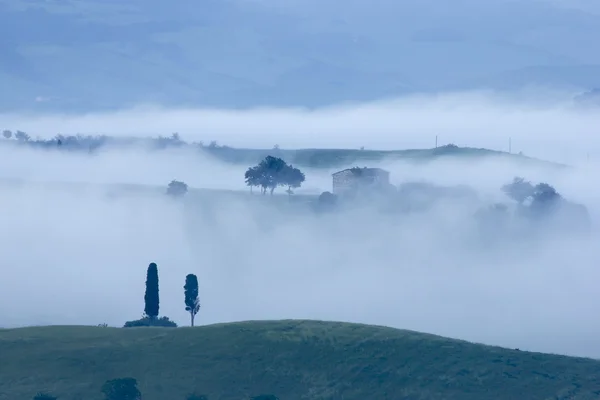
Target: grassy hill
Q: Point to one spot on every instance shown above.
(341, 158)
(291, 359)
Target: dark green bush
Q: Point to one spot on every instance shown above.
(44, 396)
(164, 322)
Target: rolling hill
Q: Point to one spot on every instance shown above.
(291, 359)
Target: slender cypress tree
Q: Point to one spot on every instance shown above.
(151, 297)
(192, 302)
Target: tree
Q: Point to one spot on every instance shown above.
(544, 193)
(293, 178)
(272, 172)
(7, 134)
(519, 190)
(252, 177)
(151, 299)
(177, 188)
(44, 396)
(192, 302)
(121, 389)
(22, 136)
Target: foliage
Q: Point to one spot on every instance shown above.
(22, 136)
(121, 389)
(327, 198)
(44, 396)
(193, 396)
(273, 172)
(177, 188)
(151, 299)
(7, 134)
(192, 302)
(293, 178)
(265, 397)
(519, 190)
(544, 193)
(163, 322)
(326, 202)
(253, 177)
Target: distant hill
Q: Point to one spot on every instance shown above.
(291, 359)
(99, 54)
(311, 158)
(331, 158)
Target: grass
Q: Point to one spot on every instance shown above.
(291, 359)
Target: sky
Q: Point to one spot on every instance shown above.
(77, 254)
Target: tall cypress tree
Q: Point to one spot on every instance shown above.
(192, 302)
(151, 297)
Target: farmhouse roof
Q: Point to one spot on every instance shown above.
(364, 169)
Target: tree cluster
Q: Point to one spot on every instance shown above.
(521, 190)
(152, 301)
(273, 172)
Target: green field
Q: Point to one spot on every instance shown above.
(291, 359)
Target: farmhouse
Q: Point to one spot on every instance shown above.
(352, 179)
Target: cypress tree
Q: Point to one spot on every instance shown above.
(151, 297)
(192, 302)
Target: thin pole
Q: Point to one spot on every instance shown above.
(510, 145)
(436, 141)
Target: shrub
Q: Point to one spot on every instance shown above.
(121, 389)
(193, 396)
(177, 188)
(44, 396)
(164, 322)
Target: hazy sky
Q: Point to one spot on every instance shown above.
(78, 254)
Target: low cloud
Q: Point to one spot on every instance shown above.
(76, 242)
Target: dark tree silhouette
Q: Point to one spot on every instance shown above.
(121, 389)
(265, 397)
(7, 134)
(271, 173)
(192, 302)
(177, 188)
(293, 178)
(22, 136)
(252, 177)
(545, 193)
(519, 190)
(151, 299)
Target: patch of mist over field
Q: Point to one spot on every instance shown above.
(78, 254)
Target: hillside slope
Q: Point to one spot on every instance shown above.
(291, 359)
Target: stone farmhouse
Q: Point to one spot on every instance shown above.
(354, 179)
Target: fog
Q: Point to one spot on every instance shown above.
(77, 253)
